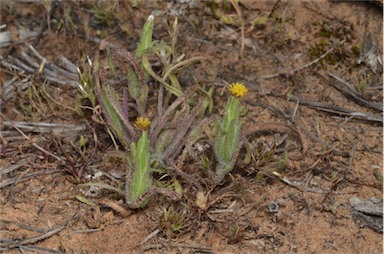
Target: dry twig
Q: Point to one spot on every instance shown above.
(235, 5)
(32, 62)
(334, 109)
(33, 143)
(345, 89)
(291, 72)
(43, 127)
(206, 249)
(27, 177)
(32, 240)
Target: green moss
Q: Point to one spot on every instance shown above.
(362, 86)
(105, 16)
(356, 50)
(318, 49)
(325, 32)
(277, 18)
(335, 30)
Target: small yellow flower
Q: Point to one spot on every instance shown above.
(142, 123)
(238, 89)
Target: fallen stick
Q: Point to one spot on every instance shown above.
(17, 243)
(345, 89)
(334, 109)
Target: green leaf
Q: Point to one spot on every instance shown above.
(147, 66)
(146, 36)
(141, 181)
(228, 138)
(116, 125)
(85, 200)
(178, 188)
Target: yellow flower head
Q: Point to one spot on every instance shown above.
(142, 123)
(238, 89)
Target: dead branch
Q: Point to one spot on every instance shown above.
(53, 67)
(6, 40)
(17, 243)
(27, 177)
(201, 248)
(43, 127)
(23, 226)
(33, 248)
(32, 62)
(345, 88)
(12, 167)
(334, 109)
